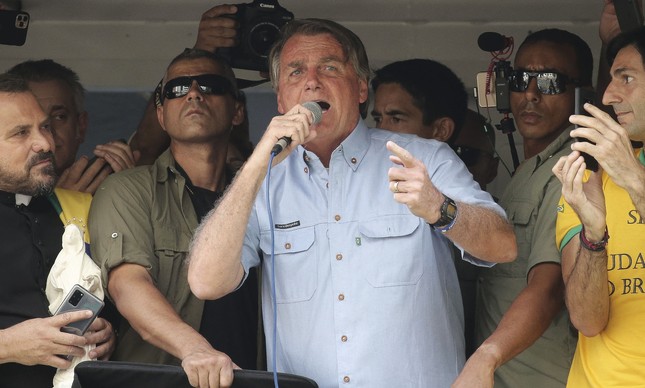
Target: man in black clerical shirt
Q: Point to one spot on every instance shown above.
(30, 339)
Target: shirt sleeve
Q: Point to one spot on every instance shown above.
(120, 226)
(251, 247)
(567, 224)
(451, 176)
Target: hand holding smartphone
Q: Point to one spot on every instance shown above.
(585, 95)
(78, 299)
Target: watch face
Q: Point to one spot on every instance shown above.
(448, 213)
(451, 209)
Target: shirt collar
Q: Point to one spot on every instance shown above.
(13, 199)
(165, 163)
(562, 141)
(353, 149)
(355, 146)
(22, 199)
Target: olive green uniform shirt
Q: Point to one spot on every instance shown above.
(144, 216)
(530, 201)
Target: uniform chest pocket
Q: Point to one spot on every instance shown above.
(171, 248)
(393, 254)
(520, 215)
(296, 266)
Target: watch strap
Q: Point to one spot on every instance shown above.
(448, 215)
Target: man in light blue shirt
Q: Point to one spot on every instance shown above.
(366, 291)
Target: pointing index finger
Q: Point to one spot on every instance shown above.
(404, 155)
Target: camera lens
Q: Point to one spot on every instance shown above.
(262, 37)
(76, 297)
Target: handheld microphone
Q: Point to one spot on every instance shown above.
(284, 141)
(493, 41)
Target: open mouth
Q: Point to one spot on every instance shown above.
(323, 105)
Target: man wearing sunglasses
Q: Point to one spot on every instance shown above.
(521, 321)
(143, 220)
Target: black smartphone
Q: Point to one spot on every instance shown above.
(585, 95)
(13, 27)
(629, 14)
(78, 299)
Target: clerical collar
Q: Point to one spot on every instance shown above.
(22, 199)
(13, 199)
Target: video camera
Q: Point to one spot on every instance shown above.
(493, 85)
(260, 23)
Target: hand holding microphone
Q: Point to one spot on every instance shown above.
(284, 141)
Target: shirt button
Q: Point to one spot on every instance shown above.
(327, 185)
(306, 170)
(337, 217)
(339, 257)
(40, 243)
(115, 235)
(287, 246)
(346, 379)
(36, 220)
(354, 160)
(343, 338)
(341, 297)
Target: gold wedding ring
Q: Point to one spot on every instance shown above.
(396, 186)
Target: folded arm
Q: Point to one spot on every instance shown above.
(525, 321)
(152, 316)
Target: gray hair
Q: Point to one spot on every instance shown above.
(48, 70)
(11, 83)
(351, 44)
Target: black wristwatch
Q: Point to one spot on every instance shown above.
(448, 215)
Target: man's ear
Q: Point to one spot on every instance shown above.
(83, 122)
(238, 114)
(363, 91)
(160, 117)
(281, 109)
(443, 128)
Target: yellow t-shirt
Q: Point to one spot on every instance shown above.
(616, 356)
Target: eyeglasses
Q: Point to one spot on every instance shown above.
(548, 82)
(212, 84)
(469, 156)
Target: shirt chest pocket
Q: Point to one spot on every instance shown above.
(296, 268)
(521, 216)
(393, 254)
(171, 248)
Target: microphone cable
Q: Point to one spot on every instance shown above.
(273, 292)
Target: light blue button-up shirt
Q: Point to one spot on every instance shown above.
(367, 294)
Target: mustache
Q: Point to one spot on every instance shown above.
(39, 157)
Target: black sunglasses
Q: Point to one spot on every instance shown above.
(548, 82)
(212, 84)
(468, 155)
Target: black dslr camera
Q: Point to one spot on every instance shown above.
(260, 23)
